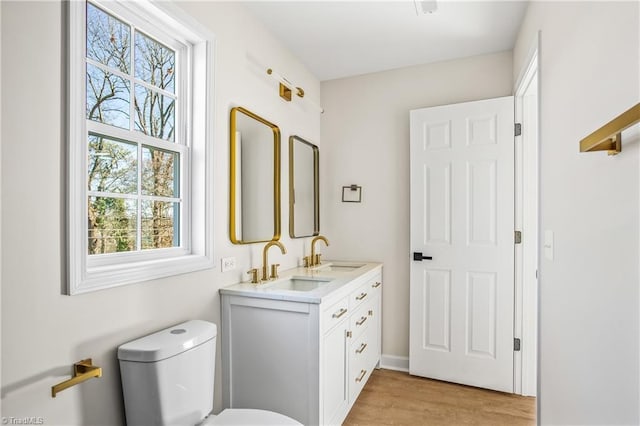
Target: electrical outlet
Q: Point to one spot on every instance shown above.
(228, 264)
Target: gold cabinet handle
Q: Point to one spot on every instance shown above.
(361, 348)
(340, 313)
(361, 321)
(362, 296)
(362, 373)
(376, 285)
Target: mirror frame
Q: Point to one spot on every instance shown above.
(316, 187)
(233, 172)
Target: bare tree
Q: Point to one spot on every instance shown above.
(113, 165)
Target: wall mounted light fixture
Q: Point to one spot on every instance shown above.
(286, 88)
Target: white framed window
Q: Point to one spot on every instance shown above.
(140, 111)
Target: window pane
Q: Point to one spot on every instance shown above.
(154, 113)
(108, 39)
(155, 63)
(107, 98)
(112, 166)
(160, 172)
(112, 225)
(160, 221)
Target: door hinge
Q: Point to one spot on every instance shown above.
(518, 129)
(518, 237)
(516, 345)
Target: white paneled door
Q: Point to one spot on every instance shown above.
(462, 243)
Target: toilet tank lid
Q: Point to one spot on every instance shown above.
(168, 342)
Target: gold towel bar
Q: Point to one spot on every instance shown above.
(608, 137)
(82, 371)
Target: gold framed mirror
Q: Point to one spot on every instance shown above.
(254, 202)
(304, 188)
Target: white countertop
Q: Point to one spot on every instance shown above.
(338, 274)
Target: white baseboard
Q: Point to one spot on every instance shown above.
(394, 362)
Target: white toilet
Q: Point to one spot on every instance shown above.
(167, 379)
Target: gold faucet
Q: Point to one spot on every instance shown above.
(314, 259)
(265, 262)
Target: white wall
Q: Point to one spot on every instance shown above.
(589, 298)
(365, 135)
(43, 331)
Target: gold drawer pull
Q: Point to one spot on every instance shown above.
(362, 320)
(362, 374)
(362, 296)
(376, 285)
(361, 348)
(340, 313)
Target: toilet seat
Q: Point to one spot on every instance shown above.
(249, 417)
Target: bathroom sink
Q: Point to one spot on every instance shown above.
(301, 283)
(339, 267)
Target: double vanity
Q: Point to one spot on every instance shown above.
(303, 344)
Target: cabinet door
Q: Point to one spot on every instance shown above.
(334, 373)
(376, 314)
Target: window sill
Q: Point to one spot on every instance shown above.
(103, 277)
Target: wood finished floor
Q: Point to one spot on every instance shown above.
(396, 398)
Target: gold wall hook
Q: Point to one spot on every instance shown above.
(82, 371)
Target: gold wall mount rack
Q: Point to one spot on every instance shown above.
(609, 137)
(82, 371)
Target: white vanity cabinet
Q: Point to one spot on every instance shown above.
(307, 356)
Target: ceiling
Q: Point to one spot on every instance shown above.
(336, 39)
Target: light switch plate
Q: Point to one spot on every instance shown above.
(227, 264)
(548, 244)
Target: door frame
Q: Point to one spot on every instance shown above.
(527, 220)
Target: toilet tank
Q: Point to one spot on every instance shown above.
(168, 376)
